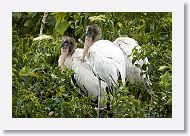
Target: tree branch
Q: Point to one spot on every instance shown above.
(43, 22)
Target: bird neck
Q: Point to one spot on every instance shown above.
(71, 50)
(96, 38)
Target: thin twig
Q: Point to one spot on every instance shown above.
(43, 22)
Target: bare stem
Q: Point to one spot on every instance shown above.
(43, 22)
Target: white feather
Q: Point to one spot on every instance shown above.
(133, 73)
(85, 78)
(106, 59)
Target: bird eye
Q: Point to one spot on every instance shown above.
(65, 46)
(89, 34)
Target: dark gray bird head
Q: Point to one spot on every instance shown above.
(93, 33)
(68, 47)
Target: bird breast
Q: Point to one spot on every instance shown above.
(106, 59)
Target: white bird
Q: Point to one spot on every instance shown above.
(106, 60)
(83, 75)
(134, 72)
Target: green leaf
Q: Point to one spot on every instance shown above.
(16, 15)
(144, 67)
(137, 103)
(169, 102)
(27, 23)
(134, 59)
(24, 70)
(61, 27)
(60, 16)
(162, 68)
(166, 77)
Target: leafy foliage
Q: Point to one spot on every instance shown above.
(41, 90)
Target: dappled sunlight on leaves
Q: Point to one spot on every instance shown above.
(41, 90)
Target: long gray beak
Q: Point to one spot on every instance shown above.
(87, 44)
(64, 53)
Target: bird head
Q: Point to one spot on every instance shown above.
(93, 33)
(68, 46)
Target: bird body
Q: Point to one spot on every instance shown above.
(134, 72)
(106, 59)
(83, 75)
(107, 62)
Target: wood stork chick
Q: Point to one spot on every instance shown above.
(71, 57)
(134, 72)
(106, 60)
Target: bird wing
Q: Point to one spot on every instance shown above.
(107, 50)
(104, 68)
(133, 72)
(126, 44)
(85, 78)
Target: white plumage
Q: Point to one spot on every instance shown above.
(106, 59)
(133, 73)
(84, 77)
(107, 62)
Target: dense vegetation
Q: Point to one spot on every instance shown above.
(40, 89)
